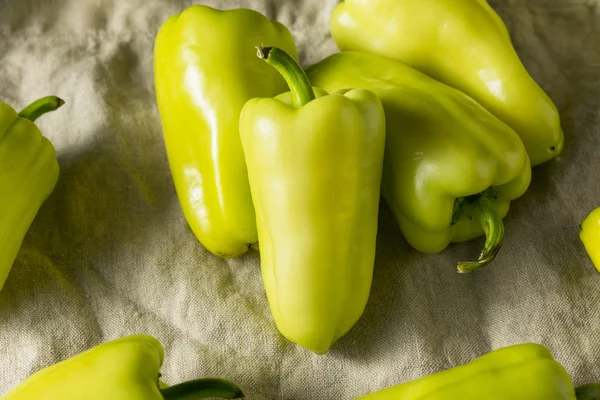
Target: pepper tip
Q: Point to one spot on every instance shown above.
(463, 268)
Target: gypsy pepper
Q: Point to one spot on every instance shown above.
(451, 168)
(205, 70)
(520, 372)
(124, 369)
(315, 172)
(464, 44)
(590, 236)
(28, 174)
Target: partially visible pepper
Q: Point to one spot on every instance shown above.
(520, 372)
(28, 174)
(590, 236)
(451, 168)
(124, 369)
(464, 44)
(205, 70)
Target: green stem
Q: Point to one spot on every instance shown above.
(41, 107)
(588, 392)
(294, 75)
(201, 389)
(483, 210)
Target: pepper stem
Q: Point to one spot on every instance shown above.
(588, 392)
(292, 72)
(483, 209)
(201, 389)
(41, 107)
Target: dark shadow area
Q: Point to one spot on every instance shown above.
(412, 292)
(112, 187)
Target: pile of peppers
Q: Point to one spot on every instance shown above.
(292, 163)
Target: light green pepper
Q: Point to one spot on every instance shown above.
(315, 172)
(28, 174)
(205, 71)
(590, 236)
(451, 168)
(520, 372)
(124, 369)
(464, 44)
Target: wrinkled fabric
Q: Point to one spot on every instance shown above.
(110, 253)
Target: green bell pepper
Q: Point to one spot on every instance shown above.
(124, 369)
(590, 236)
(520, 372)
(451, 168)
(315, 173)
(28, 174)
(464, 44)
(205, 71)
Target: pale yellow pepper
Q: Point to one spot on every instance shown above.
(464, 44)
(315, 169)
(590, 236)
(205, 71)
(124, 369)
(28, 174)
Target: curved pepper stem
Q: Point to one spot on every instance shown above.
(483, 210)
(588, 392)
(201, 389)
(294, 75)
(41, 107)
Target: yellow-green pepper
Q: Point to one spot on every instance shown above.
(315, 173)
(124, 369)
(451, 168)
(590, 236)
(520, 372)
(28, 174)
(464, 44)
(205, 70)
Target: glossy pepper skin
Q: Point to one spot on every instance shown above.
(28, 174)
(519, 372)
(464, 44)
(315, 172)
(205, 70)
(590, 236)
(124, 369)
(447, 159)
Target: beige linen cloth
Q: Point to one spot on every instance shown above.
(110, 253)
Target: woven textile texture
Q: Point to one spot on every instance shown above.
(110, 253)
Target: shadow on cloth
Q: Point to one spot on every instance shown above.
(111, 190)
